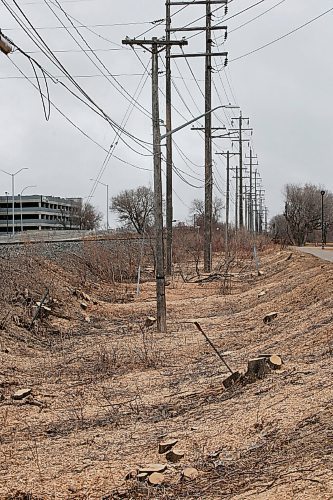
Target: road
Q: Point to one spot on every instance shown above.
(326, 254)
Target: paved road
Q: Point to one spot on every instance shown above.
(326, 254)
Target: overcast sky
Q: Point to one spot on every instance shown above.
(285, 90)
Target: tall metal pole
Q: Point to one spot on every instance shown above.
(6, 193)
(168, 122)
(236, 200)
(107, 207)
(160, 278)
(250, 200)
(208, 144)
(226, 238)
(13, 204)
(322, 220)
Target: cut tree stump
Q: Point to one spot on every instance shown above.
(166, 445)
(257, 369)
(275, 362)
(231, 380)
(174, 455)
(190, 473)
(150, 468)
(156, 478)
(269, 317)
(150, 321)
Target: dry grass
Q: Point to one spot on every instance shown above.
(109, 389)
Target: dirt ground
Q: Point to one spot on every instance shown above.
(106, 390)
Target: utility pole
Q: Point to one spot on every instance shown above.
(208, 216)
(251, 164)
(226, 238)
(169, 159)
(154, 46)
(240, 129)
(208, 145)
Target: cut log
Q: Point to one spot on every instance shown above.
(257, 368)
(261, 294)
(190, 473)
(174, 455)
(269, 317)
(275, 362)
(231, 380)
(156, 479)
(22, 393)
(150, 468)
(166, 445)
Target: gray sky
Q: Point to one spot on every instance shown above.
(285, 90)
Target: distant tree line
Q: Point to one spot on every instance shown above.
(301, 220)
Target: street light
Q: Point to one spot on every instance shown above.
(6, 193)
(160, 274)
(107, 200)
(13, 188)
(322, 220)
(26, 187)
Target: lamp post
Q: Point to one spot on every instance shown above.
(6, 193)
(322, 220)
(13, 190)
(107, 200)
(20, 195)
(160, 277)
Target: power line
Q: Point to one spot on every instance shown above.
(284, 36)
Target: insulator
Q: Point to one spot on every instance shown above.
(226, 10)
(226, 62)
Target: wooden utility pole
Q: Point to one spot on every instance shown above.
(169, 159)
(208, 145)
(208, 216)
(155, 46)
(240, 129)
(227, 206)
(251, 164)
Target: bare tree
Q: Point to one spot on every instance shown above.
(303, 210)
(198, 211)
(135, 208)
(279, 230)
(85, 216)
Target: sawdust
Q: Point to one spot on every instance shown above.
(111, 389)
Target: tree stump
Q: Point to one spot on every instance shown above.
(269, 317)
(275, 362)
(166, 445)
(174, 455)
(155, 479)
(256, 369)
(190, 473)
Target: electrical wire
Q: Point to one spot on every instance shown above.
(122, 89)
(284, 36)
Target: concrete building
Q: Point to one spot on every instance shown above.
(36, 212)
